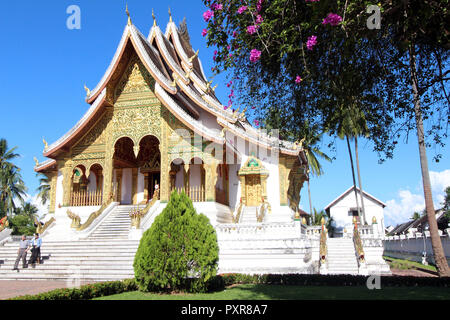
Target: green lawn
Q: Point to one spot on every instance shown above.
(407, 264)
(277, 292)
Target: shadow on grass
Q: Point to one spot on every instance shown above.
(286, 292)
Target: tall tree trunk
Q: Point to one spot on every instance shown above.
(436, 244)
(310, 203)
(359, 182)
(353, 174)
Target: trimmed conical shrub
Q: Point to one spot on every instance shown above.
(179, 252)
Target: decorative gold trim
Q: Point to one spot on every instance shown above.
(41, 228)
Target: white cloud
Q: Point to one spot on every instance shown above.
(402, 208)
(36, 201)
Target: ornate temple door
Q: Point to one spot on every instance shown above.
(253, 190)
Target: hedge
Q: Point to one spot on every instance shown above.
(220, 282)
(85, 292)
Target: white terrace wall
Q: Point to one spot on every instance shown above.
(411, 247)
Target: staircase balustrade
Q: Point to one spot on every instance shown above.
(323, 244)
(136, 215)
(358, 244)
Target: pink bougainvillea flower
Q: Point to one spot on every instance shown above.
(204, 32)
(312, 41)
(251, 29)
(235, 34)
(256, 122)
(254, 107)
(298, 79)
(217, 6)
(259, 19)
(208, 14)
(259, 5)
(242, 9)
(255, 55)
(333, 19)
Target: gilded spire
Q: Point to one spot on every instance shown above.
(170, 16)
(154, 19)
(45, 144)
(88, 92)
(36, 161)
(194, 56)
(128, 14)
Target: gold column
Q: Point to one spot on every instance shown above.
(210, 181)
(165, 165)
(243, 193)
(186, 177)
(119, 184)
(53, 176)
(67, 181)
(134, 185)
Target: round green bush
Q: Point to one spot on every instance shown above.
(179, 252)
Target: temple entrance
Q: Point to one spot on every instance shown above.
(149, 160)
(253, 190)
(154, 179)
(137, 169)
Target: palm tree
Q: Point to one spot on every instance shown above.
(28, 210)
(11, 183)
(12, 187)
(6, 156)
(309, 144)
(436, 244)
(44, 188)
(351, 125)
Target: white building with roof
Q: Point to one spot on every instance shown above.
(344, 208)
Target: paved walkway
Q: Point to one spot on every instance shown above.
(11, 289)
(411, 272)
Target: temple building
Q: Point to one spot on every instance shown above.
(154, 121)
(155, 125)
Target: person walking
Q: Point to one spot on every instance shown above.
(24, 246)
(35, 250)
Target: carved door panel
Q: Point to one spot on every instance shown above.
(253, 190)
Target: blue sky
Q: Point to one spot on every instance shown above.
(44, 66)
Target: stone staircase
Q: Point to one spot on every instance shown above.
(83, 260)
(248, 215)
(116, 226)
(341, 256)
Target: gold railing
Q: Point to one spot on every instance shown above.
(195, 193)
(41, 228)
(76, 218)
(265, 207)
(323, 243)
(136, 214)
(85, 198)
(238, 213)
(358, 243)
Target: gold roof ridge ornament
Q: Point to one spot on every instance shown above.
(45, 144)
(194, 56)
(36, 161)
(128, 14)
(88, 92)
(170, 15)
(154, 18)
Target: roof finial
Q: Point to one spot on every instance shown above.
(194, 56)
(45, 144)
(170, 16)
(128, 14)
(36, 161)
(154, 19)
(88, 92)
